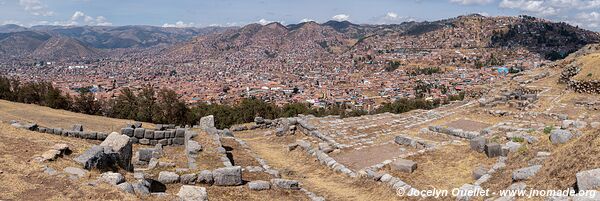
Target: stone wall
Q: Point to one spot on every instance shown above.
(77, 133)
(153, 137)
(566, 77)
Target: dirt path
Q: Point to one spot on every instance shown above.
(314, 177)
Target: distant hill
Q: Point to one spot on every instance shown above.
(64, 47)
(334, 38)
(295, 41)
(20, 42)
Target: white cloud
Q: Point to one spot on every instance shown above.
(264, 21)
(390, 18)
(470, 2)
(341, 17)
(5, 22)
(80, 18)
(35, 7)
(539, 7)
(589, 20)
(306, 20)
(179, 24)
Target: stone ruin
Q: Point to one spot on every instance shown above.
(566, 77)
(521, 98)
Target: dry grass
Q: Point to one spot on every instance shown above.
(299, 166)
(49, 117)
(590, 67)
(578, 155)
(23, 179)
(446, 168)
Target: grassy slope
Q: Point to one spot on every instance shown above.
(49, 117)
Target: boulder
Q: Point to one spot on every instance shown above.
(259, 185)
(141, 187)
(478, 172)
(112, 178)
(286, 184)
(588, 180)
(525, 173)
(98, 157)
(126, 187)
(121, 145)
(205, 176)
(63, 148)
(50, 155)
(168, 177)
(227, 133)
(513, 146)
(76, 172)
(207, 122)
(559, 136)
(192, 193)
(259, 120)
(193, 147)
(188, 179)
(228, 176)
(403, 165)
(137, 124)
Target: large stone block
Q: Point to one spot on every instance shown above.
(158, 135)
(98, 157)
(403, 165)
(478, 144)
(205, 176)
(228, 176)
(178, 141)
(139, 133)
(192, 193)
(525, 173)
(207, 122)
(588, 180)
(493, 150)
(123, 147)
(112, 178)
(560, 136)
(77, 127)
(259, 185)
(149, 134)
(180, 133)
(168, 177)
(285, 184)
(127, 131)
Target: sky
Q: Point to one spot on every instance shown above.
(202, 13)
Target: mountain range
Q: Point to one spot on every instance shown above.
(332, 38)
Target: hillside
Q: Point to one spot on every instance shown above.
(335, 39)
(525, 131)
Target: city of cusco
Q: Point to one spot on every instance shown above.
(311, 100)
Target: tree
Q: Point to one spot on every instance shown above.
(146, 103)
(169, 108)
(86, 103)
(124, 106)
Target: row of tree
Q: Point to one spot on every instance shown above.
(165, 106)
